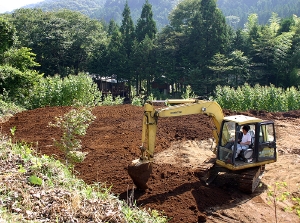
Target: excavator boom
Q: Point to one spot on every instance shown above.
(192, 106)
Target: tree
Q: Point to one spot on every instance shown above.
(240, 65)
(73, 125)
(22, 59)
(98, 60)
(286, 24)
(116, 54)
(145, 34)
(294, 76)
(127, 30)
(128, 34)
(112, 27)
(273, 51)
(181, 17)
(145, 24)
(250, 32)
(241, 42)
(171, 66)
(207, 34)
(63, 41)
(7, 35)
(220, 66)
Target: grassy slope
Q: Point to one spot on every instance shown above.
(38, 189)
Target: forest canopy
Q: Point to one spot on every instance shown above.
(197, 48)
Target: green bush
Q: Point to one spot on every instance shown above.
(55, 91)
(188, 93)
(9, 108)
(267, 98)
(17, 84)
(109, 100)
(137, 101)
(73, 124)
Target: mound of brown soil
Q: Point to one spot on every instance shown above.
(183, 144)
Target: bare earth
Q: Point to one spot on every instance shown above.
(183, 144)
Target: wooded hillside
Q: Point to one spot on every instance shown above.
(235, 11)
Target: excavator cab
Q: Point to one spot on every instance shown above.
(262, 149)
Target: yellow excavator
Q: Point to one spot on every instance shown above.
(249, 165)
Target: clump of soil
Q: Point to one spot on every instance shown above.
(183, 145)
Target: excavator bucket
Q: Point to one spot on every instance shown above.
(140, 172)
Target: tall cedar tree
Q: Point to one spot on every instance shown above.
(145, 33)
(146, 25)
(127, 30)
(209, 35)
(116, 52)
(128, 34)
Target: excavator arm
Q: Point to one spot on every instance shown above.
(140, 169)
(183, 107)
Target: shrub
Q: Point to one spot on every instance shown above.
(73, 124)
(110, 100)
(55, 91)
(188, 93)
(278, 193)
(267, 98)
(17, 84)
(137, 101)
(9, 108)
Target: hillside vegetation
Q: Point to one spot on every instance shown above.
(87, 7)
(236, 11)
(36, 188)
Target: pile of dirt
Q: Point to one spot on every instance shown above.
(183, 144)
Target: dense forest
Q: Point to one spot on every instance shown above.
(87, 7)
(106, 10)
(198, 48)
(235, 11)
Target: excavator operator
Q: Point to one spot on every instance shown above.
(245, 142)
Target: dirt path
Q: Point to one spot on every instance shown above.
(183, 143)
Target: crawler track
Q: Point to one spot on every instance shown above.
(249, 179)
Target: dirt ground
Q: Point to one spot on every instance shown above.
(183, 144)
